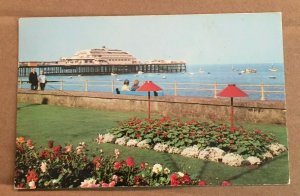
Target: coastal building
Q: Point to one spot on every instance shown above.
(101, 61)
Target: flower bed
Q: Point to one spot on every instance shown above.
(55, 167)
(196, 139)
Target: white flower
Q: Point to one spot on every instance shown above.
(132, 142)
(212, 154)
(166, 171)
(232, 159)
(254, 160)
(157, 168)
(180, 174)
(117, 153)
(106, 138)
(143, 144)
(276, 148)
(43, 167)
(159, 147)
(31, 185)
(121, 141)
(174, 150)
(267, 155)
(89, 183)
(190, 151)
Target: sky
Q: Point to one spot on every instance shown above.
(196, 39)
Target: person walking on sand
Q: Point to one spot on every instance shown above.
(42, 80)
(33, 79)
(125, 86)
(135, 85)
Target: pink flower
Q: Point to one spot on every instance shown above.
(68, 148)
(130, 162)
(226, 183)
(104, 185)
(29, 144)
(202, 183)
(112, 184)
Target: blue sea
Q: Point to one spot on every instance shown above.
(199, 80)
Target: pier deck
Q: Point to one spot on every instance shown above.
(56, 69)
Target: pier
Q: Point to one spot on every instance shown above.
(56, 69)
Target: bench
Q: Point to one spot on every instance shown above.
(139, 93)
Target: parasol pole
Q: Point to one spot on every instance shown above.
(148, 105)
(231, 118)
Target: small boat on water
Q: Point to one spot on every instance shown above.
(248, 71)
(164, 77)
(79, 75)
(113, 74)
(273, 69)
(272, 77)
(201, 71)
(140, 72)
(70, 77)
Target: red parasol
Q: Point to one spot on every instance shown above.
(232, 91)
(149, 86)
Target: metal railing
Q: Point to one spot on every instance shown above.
(84, 85)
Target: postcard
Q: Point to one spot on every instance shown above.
(151, 101)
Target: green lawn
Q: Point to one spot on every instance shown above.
(73, 125)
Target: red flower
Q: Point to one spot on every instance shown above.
(21, 185)
(142, 166)
(44, 154)
(174, 180)
(136, 180)
(56, 151)
(50, 143)
(117, 166)
(226, 183)
(186, 179)
(257, 131)
(201, 183)
(32, 176)
(130, 162)
(232, 129)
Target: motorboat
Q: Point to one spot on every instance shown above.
(113, 74)
(164, 77)
(140, 72)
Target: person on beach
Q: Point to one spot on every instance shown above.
(125, 86)
(33, 79)
(135, 85)
(42, 80)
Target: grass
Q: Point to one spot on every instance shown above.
(73, 125)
